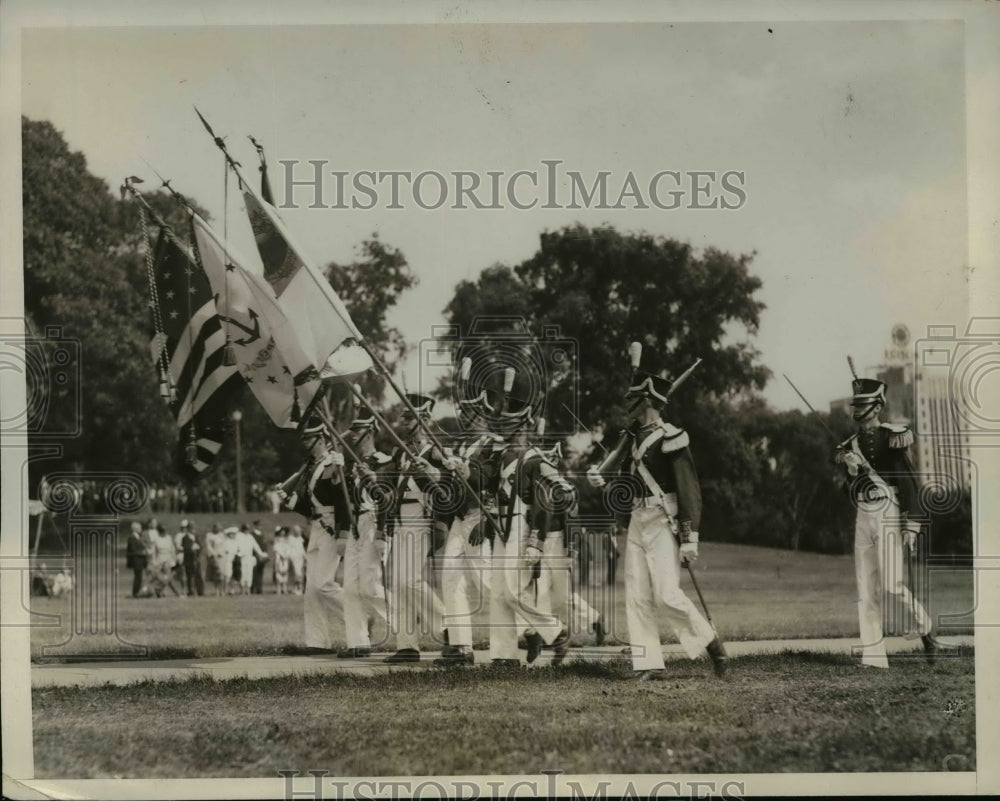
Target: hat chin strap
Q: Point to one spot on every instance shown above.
(636, 403)
(866, 413)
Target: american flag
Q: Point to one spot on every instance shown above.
(188, 347)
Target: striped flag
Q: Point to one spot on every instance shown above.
(188, 347)
(268, 355)
(322, 323)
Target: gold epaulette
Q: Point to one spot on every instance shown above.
(674, 439)
(900, 437)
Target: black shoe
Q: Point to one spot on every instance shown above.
(535, 643)
(456, 659)
(354, 653)
(599, 632)
(560, 647)
(505, 662)
(451, 650)
(318, 651)
(404, 655)
(654, 674)
(719, 658)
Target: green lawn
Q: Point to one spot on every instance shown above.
(753, 593)
(784, 713)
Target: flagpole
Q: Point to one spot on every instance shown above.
(376, 361)
(381, 420)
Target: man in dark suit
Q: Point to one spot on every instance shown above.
(136, 557)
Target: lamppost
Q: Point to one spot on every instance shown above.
(240, 504)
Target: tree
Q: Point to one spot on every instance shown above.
(370, 287)
(599, 289)
(81, 279)
(592, 291)
(798, 489)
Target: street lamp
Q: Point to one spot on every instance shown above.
(240, 504)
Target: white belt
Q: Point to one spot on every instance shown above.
(647, 503)
(652, 501)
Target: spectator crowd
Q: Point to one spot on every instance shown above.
(221, 561)
(235, 560)
(213, 497)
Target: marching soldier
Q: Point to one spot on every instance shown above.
(662, 531)
(466, 556)
(880, 480)
(525, 477)
(365, 550)
(414, 602)
(315, 492)
(556, 592)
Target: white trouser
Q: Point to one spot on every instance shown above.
(880, 569)
(555, 590)
(464, 567)
(247, 564)
(652, 577)
(364, 593)
(513, 607)
(323, 602)
(413, 604)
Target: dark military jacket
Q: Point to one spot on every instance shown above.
(482, 455)
(665, 452)
(885, 447)
(412, 489)
(525, 473)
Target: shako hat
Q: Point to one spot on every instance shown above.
(644, 383)
(867, 391)
(421, 403)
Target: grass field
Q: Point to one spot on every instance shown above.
(753, 593)
(780, 713)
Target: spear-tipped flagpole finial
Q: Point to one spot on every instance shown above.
(205, 123)
(219, 142)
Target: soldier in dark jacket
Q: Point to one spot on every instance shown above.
(879, 478)
(315, 492)
(662, 530)
(415, 607)
(527, 484)
(466, 557)
(365, 545)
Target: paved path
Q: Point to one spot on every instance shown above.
(127, 672)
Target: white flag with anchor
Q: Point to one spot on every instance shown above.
(268, 353)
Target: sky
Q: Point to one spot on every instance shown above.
(851, 138)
